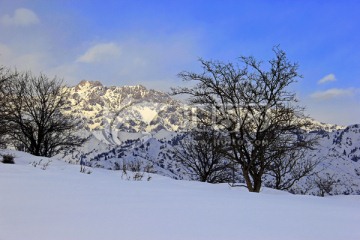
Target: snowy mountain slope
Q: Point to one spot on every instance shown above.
(132, 124)
(339, 152)
(155, 150)
(134, 148)
(136, 109)
(128, 108)
(62, 203)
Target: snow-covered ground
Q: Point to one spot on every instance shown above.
(62, 203)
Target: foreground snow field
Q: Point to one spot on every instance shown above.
(62, 203)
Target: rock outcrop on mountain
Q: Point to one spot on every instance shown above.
(127, 108)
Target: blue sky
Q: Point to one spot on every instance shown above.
(149, 42)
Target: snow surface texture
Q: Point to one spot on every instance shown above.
(61, 203)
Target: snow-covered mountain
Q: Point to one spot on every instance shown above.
(136, 109)
(132, 124)
(127, 108)
(339, 155)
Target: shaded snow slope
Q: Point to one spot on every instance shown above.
(338, 152)
(62, 203)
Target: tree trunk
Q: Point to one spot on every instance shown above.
(257, 184)
(248, 180)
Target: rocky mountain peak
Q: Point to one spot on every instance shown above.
(87, 83)
(127, 108)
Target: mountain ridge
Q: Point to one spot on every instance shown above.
(94, 102)
(131, 124)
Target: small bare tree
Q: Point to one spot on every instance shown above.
(5, 76)
(201, 152)
(325, 184)
(292, 163)
(34, 107)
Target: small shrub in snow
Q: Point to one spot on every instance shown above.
(8, 159)
(117, 166)
(149, 168)
(136, 172)
(83, 169)
(326, 184)
(41, 164)
(138, 176)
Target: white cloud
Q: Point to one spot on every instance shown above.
(100, 52)
(328, 78)
(134, 60)
(12, 57)
(333, 93)
(151, 62)
(21, 17)
(5, 51)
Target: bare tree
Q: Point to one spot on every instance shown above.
(252, 107)
(5, 76)
(292, 162)
(201, 153)
(35, 105)
(325, 184)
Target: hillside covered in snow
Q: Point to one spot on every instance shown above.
(49, 199)
(130, 187)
